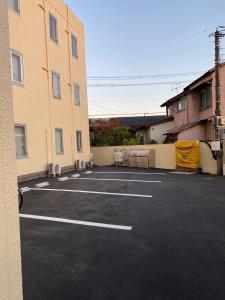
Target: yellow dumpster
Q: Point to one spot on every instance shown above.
(188, 154)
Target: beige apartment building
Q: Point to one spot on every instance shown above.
(49, 85)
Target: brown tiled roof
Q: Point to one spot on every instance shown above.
(184, 127)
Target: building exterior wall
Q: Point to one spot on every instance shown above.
(157, 131)
(193, 113)
(143, 133)
(197, 132)
(34, 105)
(10, 259)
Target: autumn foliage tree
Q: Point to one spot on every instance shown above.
(110, 133)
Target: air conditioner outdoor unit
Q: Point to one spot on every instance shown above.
(54, 169)
(80, 164)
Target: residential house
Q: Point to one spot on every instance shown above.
(194, 108)
(151, 129)
(49, 85)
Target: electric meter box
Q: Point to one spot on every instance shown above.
(215, 146)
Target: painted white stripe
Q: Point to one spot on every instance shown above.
(88, 172)
(139, 173)
(77, 222)
(63, 178)
(24, 189)
(113, 179)
(92, 192)
(42, 184)
(75, 175)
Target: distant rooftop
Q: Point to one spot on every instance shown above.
(138, 122)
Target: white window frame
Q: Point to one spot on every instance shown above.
(13, 52)
(76, 101)
(25, 138)
(62, 152)
(14, 10)
(73, 37)
(181, 108)
(53, 91)
(170, 111)
(80, 150)
(52, 17)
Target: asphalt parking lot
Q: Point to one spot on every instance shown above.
(124, 234)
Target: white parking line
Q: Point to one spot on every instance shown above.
(92, 192)
(113, 179)
(77, 222)
(139, 173)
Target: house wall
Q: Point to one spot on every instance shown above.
(192, 112)
(34, 105)
(197, 132)
(165, 156)
(10, 258)
(180, 117)
(157, 132)
(222, 91)
(144, 133)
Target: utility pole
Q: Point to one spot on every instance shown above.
(218, 34)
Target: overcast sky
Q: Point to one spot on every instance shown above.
(145, 37)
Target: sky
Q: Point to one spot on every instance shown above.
(142, 38)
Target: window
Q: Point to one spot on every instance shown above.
(205, 98)
(14, 5)
(53, 28)
(17, 67)
(74, 46)
(56, 90)
(181, 104)
(20, 135)
(76, 94)
(59, 141)
(170, 110)
(79, 141)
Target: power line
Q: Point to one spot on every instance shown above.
(130, 77)
(129, 114)
(114, 85)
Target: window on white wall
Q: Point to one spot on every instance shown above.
(56, 88)
(14, 5)
(17, 67)
(76, 94)
(59, 141)
(79, 141)
(74, 46)
(20, 136)
(53, 28)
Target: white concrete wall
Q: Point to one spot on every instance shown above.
(165, 156)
